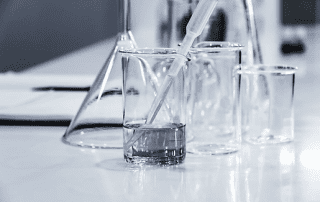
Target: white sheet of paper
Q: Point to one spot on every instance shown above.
(19, 101)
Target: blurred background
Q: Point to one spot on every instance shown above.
(33, 32)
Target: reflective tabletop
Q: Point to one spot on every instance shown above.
(37, 166)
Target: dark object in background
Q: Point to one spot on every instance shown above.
(295, 14)
(297, 47)
(218, 26)
(32, 31)
(298, 12)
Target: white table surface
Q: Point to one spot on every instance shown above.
(36, 166)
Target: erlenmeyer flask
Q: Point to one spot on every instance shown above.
(234, 21)
(98, 121)
(231, 21)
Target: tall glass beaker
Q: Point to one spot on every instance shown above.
(164, 140)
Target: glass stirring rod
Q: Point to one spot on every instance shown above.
(194, 28)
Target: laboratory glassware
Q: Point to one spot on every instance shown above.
(99, 118)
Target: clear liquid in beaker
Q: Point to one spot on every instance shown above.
(158, 144)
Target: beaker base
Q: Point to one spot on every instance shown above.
(173, 160)
(211, 148)
(268, 139)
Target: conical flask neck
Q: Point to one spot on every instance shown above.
(124, 16)
(254, 52)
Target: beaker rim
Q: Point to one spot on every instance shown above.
(267, 68)
(213, 46)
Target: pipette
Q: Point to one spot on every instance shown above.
(194, 28)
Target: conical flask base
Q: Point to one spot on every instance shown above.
(96, 137)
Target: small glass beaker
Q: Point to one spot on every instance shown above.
(213, 104)
(267, 103)
(164, 140)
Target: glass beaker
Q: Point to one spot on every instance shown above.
(267, 103)
(164, 140)
(213, 105)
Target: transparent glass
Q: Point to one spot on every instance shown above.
(174, 22)
(213, 98)
(234, 21)
(98, 122)
(267, 103)
(231, 20)
(254, 55)
(163, 141)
